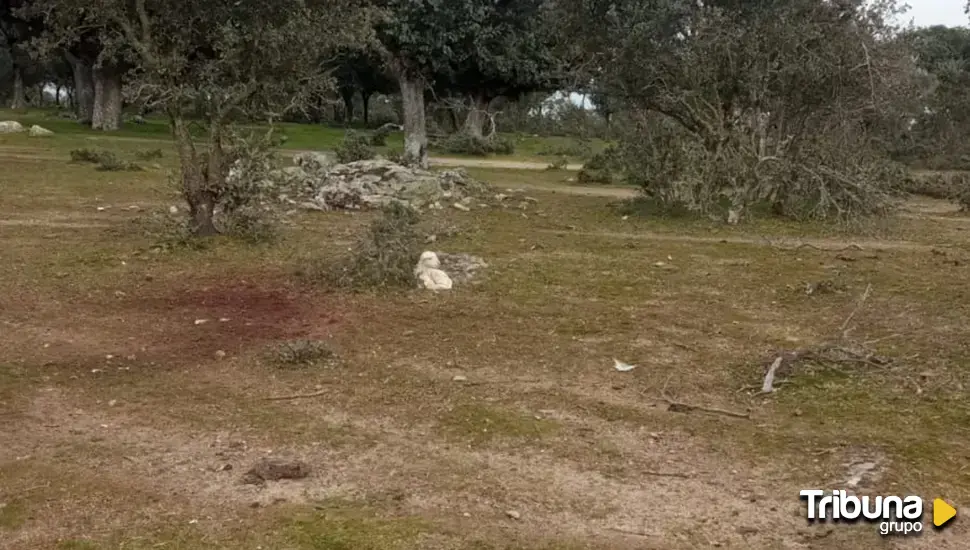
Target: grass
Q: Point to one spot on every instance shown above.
(480, 424)
(298, 136)
(125, 451)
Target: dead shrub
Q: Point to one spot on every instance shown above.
(301, 353)
(383, 258)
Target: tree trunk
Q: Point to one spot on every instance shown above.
(19, 98)
(455, 123)
(348, 97)
(107, 99)
(83, 96)
(477, 114)
(365, 97)
(195, 188)
(57, 95)
(415, 125)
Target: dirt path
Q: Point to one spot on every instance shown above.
(831, 245)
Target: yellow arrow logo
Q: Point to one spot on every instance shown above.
(942, 512)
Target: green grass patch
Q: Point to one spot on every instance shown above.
(336, 526)
(480, 424)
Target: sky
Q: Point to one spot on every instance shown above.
(926, 13)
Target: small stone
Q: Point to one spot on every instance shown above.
(460, 378)
(462, 207)
(201, 321)
(101, 209)
(173, 209)
(220, 354)
(112, 403)
(513, 514)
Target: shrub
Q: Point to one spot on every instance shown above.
(395, 156)
(106, 160)
(251, 224)
(301, 353)
(581, 149)
(601, 167)
(938, 185)
(87, 155)
(148, 154)
(354, 147)
(383, 258)
(109, 162)
(561, 163)
(379, 137)
(461, 143)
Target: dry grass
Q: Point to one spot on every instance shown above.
(145, 448)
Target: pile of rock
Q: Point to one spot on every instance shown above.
(315, 182)
(14, 127)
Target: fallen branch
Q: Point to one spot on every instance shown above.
(675, 406)
(812, 246)
(678, 406)
(666, 474)
(629, 532)
(862, 301)
(829, 352)
(768, 385)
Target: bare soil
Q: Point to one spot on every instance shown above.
(138, 387)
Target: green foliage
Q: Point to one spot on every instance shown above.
(760, 103)
(938, 137)
(395, 155)
(378, 137)
(471, 46)
(601, 168)
(251, 224)
(148, 154)
(383, 258)
(953, 186)
(574, 149)
(163, 231)
(249, 198)
(561, 163)
(106, 161)
(462, 143)
(355, 147)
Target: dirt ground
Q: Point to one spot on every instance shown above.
(139, 384)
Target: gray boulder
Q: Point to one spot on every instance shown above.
(39, 131)
(10, 127)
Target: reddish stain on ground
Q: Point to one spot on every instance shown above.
(232, 316)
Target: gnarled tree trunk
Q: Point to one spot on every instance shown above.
(477, 115)
(83, 96)
(347, 94)
(365, 97)
(415, 125)
(19, 98)
(107, 99)
(195, 179)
